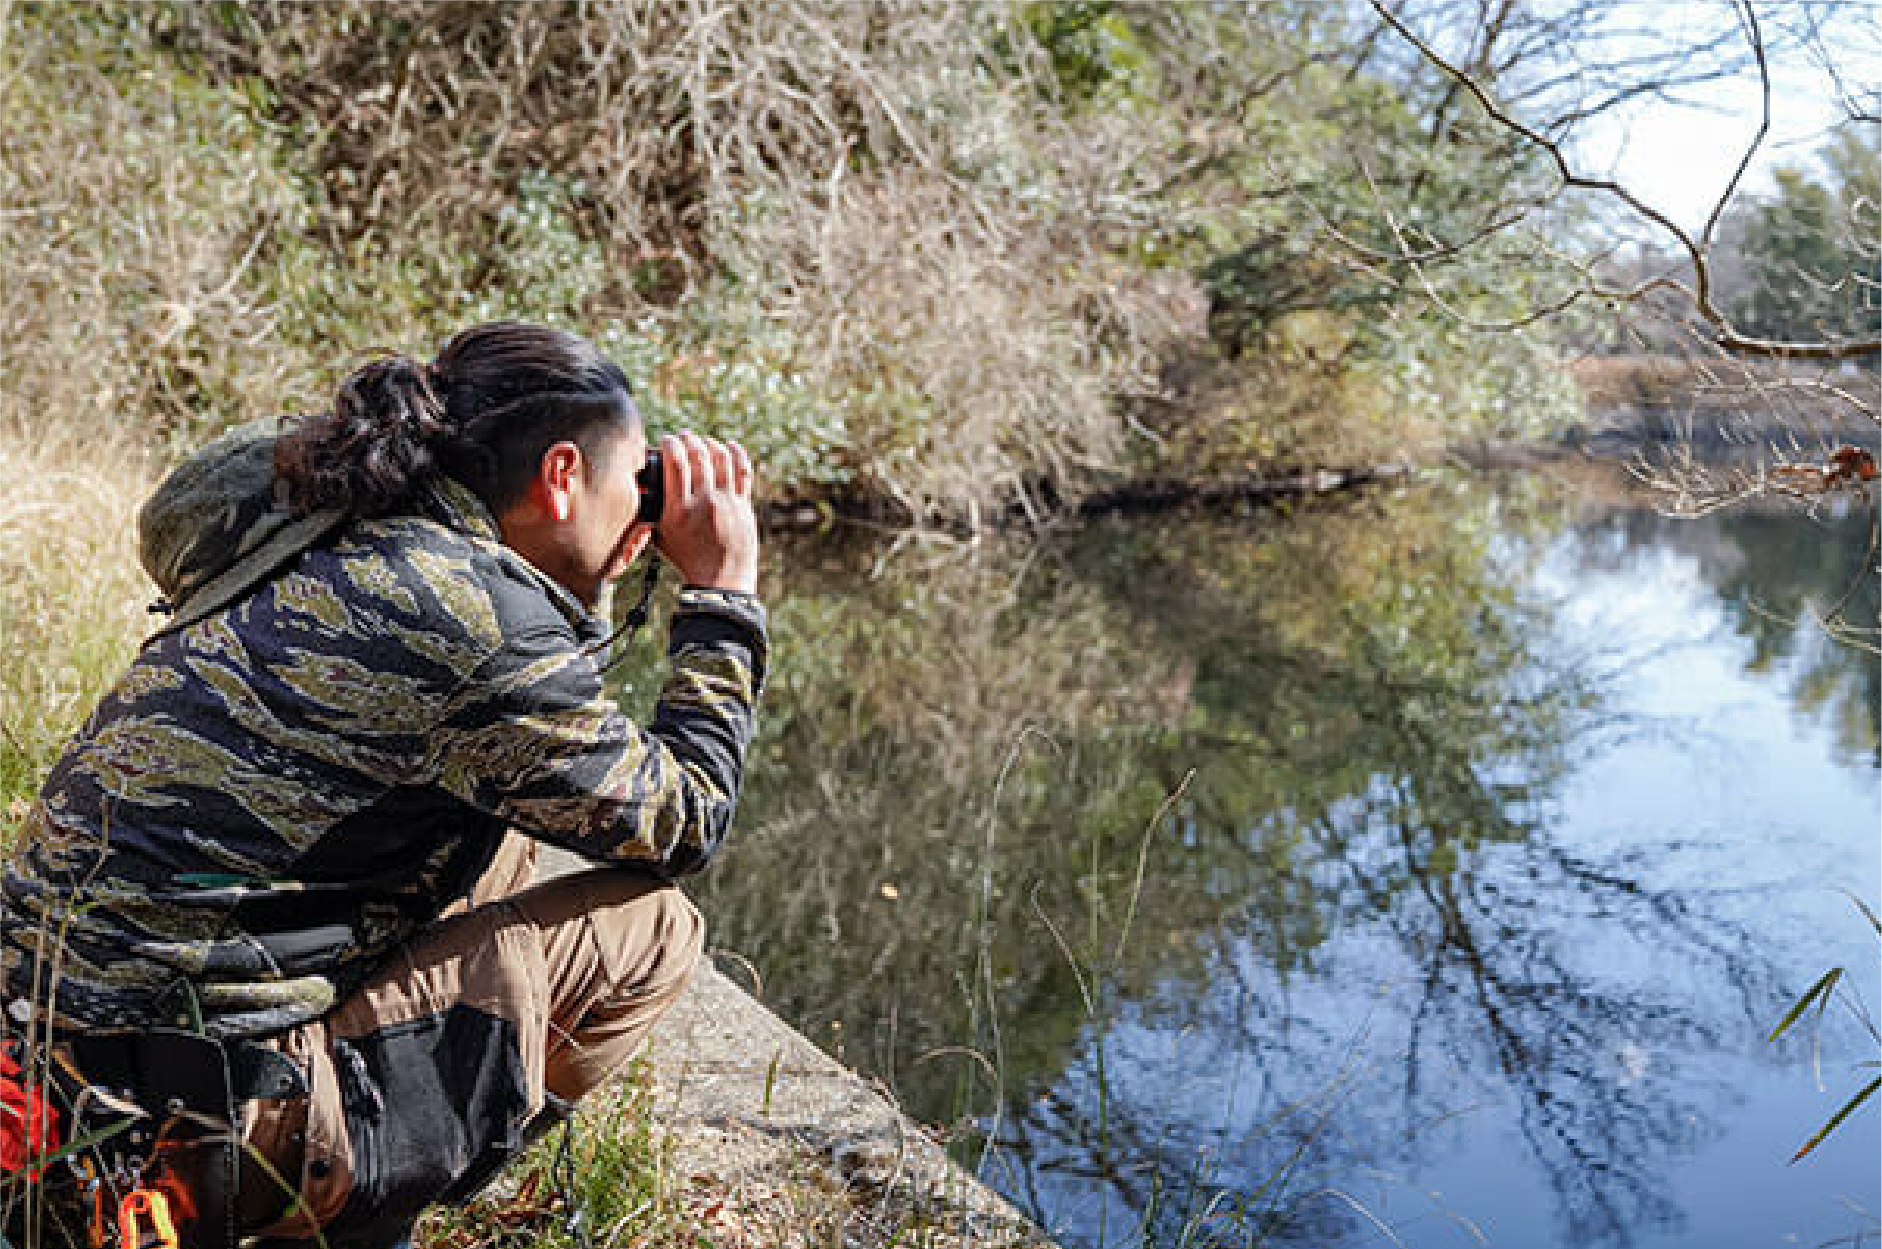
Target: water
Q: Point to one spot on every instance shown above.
(1427, 868)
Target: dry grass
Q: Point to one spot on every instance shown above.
(1800, 391)
(132, 206)
(1662, 380)
(72, 597)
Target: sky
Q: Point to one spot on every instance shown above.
(1679, 158)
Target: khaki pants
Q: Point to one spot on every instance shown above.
(422, 1082)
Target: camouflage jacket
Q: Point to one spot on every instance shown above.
(277, 795)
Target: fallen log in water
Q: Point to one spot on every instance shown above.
(1138, 497)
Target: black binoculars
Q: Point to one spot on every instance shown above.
(651, 481)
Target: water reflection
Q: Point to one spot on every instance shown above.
(1228, 876)
(1791, 585)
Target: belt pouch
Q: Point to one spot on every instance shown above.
(182, 1079)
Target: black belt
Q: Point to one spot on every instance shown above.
(166, 1065)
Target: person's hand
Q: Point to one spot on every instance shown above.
(707, 529)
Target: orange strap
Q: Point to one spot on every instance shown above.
(145, 1212)
(100, 1230)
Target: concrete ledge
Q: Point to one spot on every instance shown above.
(769, 1132)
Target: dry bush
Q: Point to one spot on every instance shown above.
(967, 375)
(965, 298)
(1297, 404)
(1632, 381)
(136, 203)
(880, 203)
(899, 249)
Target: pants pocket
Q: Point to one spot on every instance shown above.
(434, 1107)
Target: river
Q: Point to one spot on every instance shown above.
(1422, 867)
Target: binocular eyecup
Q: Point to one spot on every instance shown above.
(652, 484)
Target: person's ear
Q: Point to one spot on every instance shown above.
(556, 478)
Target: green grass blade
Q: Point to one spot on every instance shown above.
(1821, 989)
(38, 1162)
(1866, 912)
(1849, 1107)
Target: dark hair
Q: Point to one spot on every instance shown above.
(496, 398)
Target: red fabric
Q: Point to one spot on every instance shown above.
(29, 1125)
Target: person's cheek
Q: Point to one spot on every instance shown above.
(622, 555)
(633, 541)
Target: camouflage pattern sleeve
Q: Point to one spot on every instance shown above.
(535, 740)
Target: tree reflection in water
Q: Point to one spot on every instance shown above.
(1356, 923)
(1780, 576)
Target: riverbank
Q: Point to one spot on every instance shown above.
(773, 1141)
(1717, 405)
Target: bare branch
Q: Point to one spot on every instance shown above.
(1755, 38)
(1725, 335)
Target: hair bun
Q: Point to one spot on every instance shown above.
(372, 452)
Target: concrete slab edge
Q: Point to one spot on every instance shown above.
(753, 1108)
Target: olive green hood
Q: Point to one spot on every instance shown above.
(216, 527)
